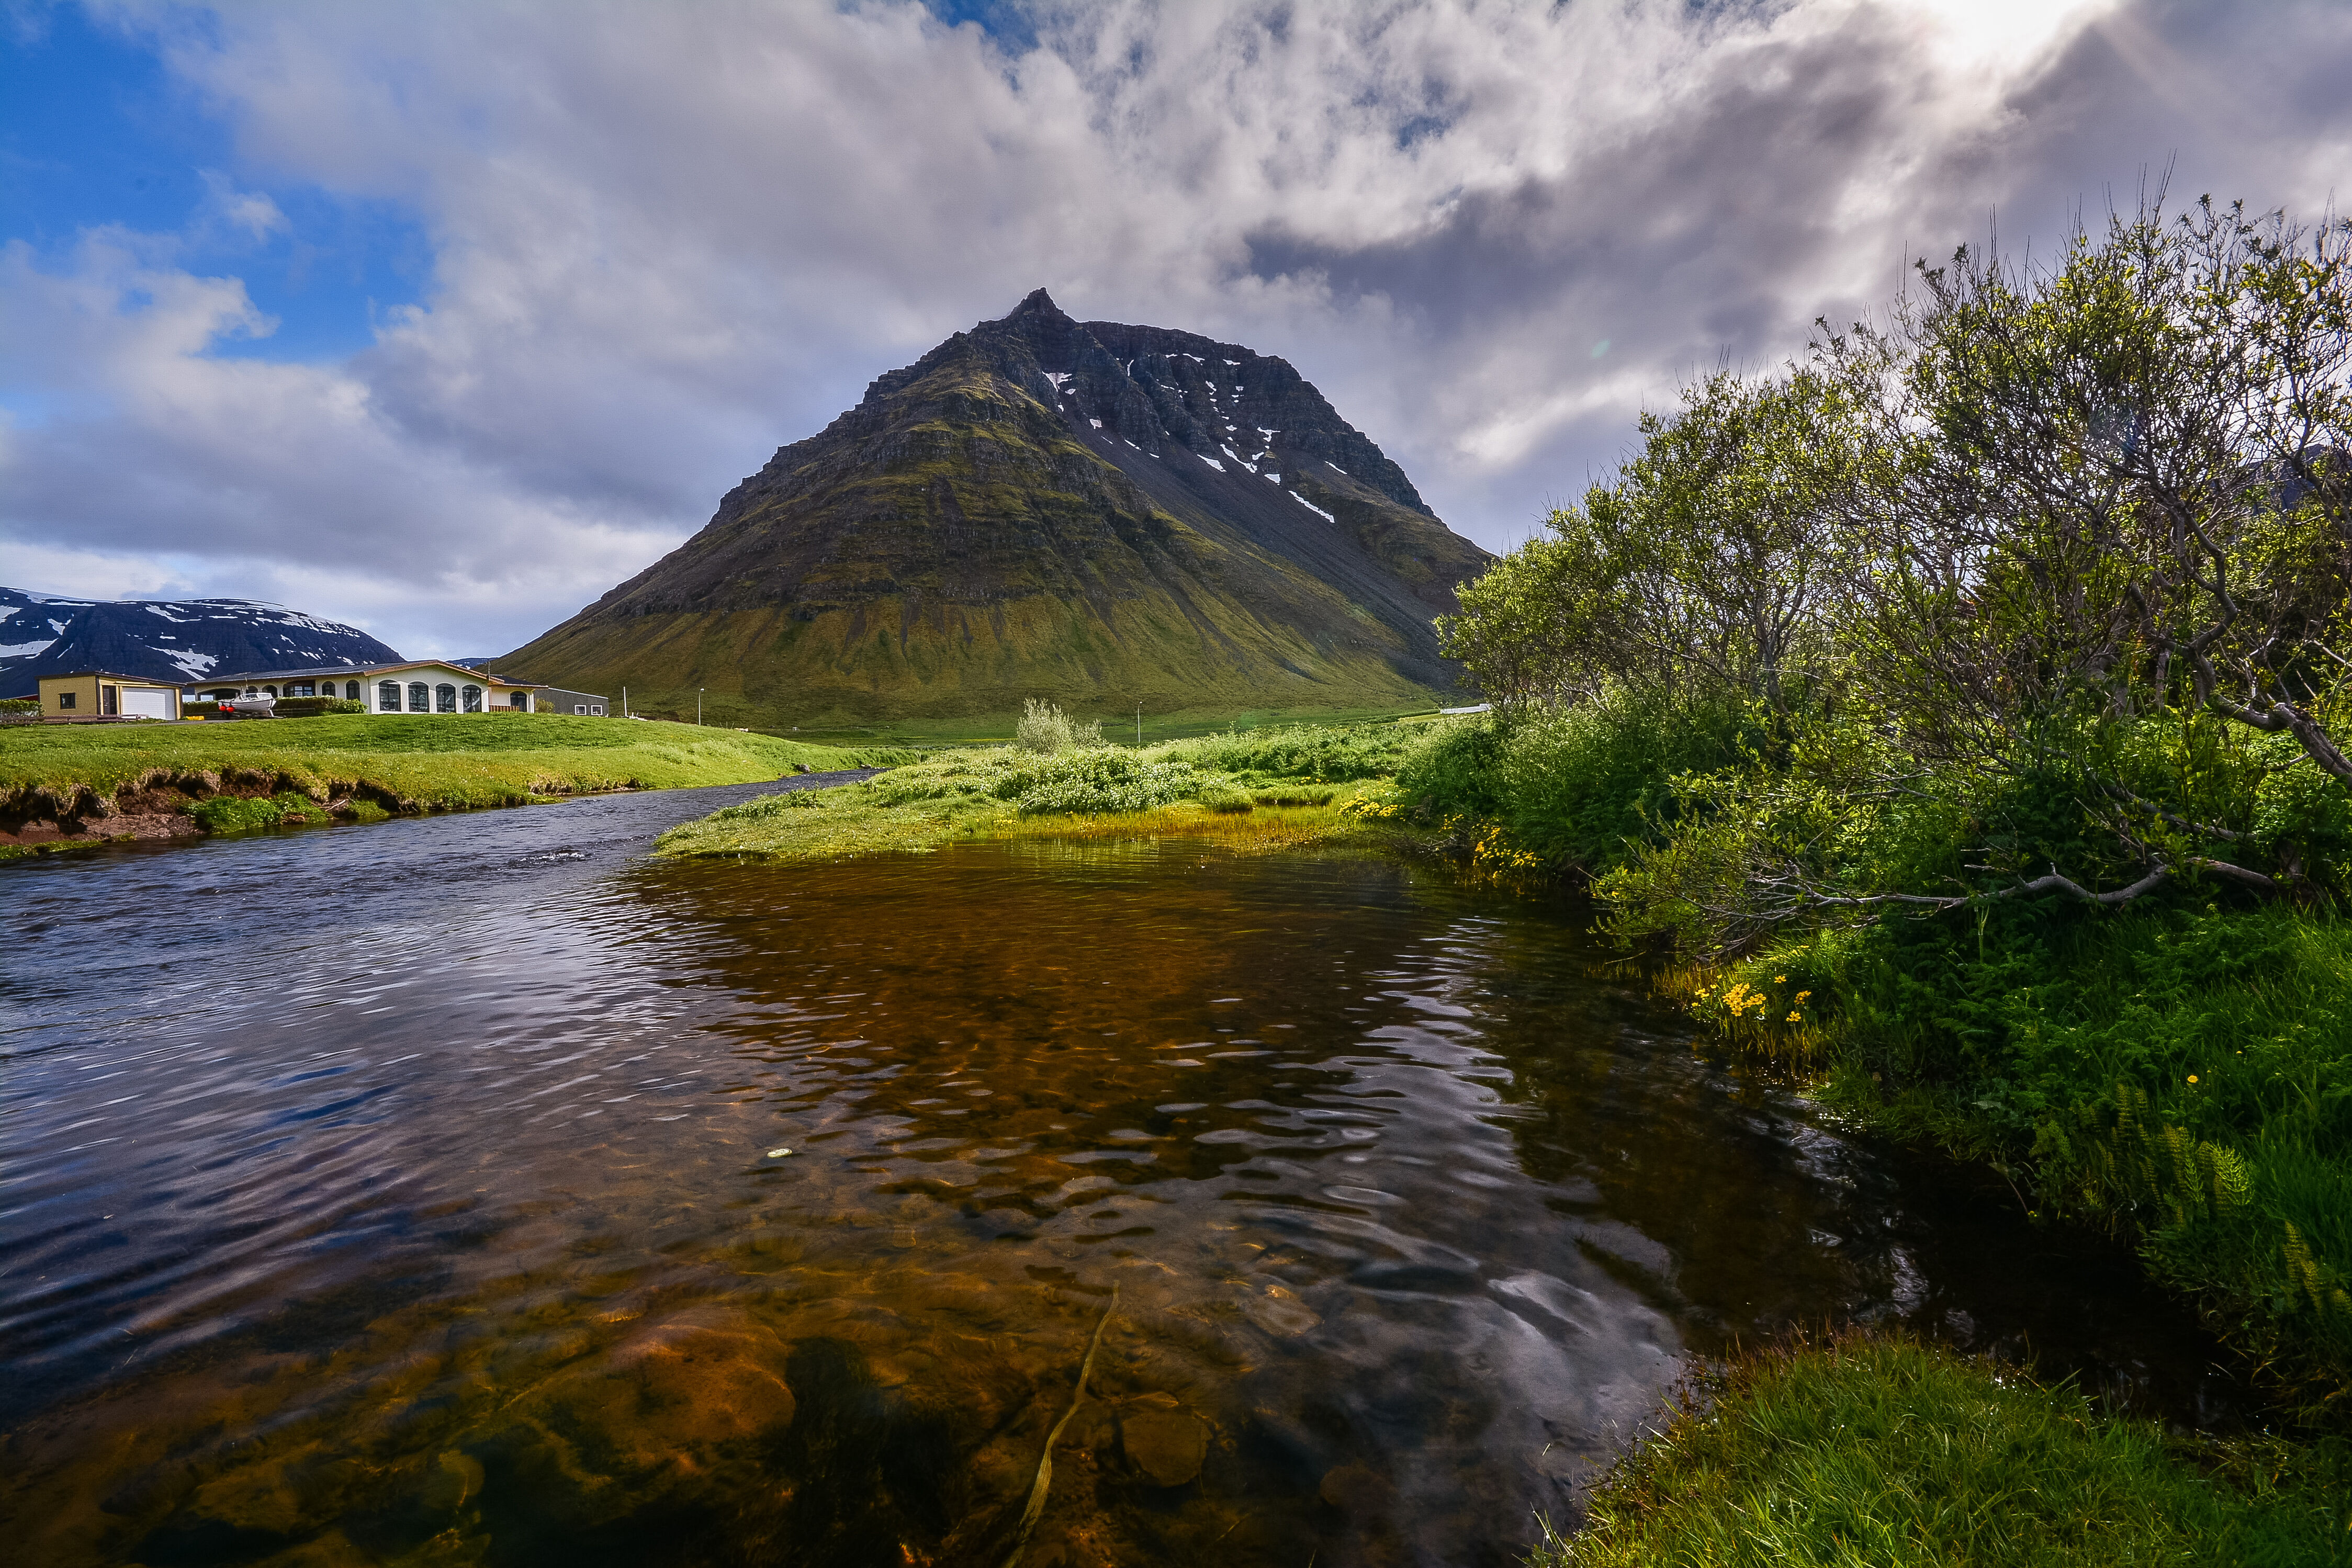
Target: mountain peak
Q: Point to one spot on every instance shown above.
(1099, 513)
(1038, 303)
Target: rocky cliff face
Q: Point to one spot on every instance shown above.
(159, 640)
(1103, 514)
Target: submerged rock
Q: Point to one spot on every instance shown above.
(1166, 1444)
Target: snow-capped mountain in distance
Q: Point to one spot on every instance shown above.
(30, 624)
(167, 640)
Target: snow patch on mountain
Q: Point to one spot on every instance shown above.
(207, 637)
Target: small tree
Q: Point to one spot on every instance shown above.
(1046, 730)
(1701, 571)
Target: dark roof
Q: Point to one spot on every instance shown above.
(106, 675)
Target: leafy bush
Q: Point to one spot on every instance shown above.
(766, 806)
(1583, 787)
(311, 707)
(20, 705)
(1098, 781)
(1324, 756)
(1046, 730)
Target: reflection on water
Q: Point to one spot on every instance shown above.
(472, 1190)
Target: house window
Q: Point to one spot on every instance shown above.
(301, 689)
(106, 699)
(473, 696)
(351, 691)
(580, 708)
(272, 692)
(387, 696)
(522, 700)
(597, 709)
(420, 697)
(445, 698)
(226, 695)
(65, 699)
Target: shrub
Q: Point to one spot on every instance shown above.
(766, 806)
(311, 707)
(20, 705)
(1046, 730)
(1101, 780)
(1323, 756)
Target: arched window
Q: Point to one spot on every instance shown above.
(420, 697)
(269, 691)
(444, 698)
(351, 691)
(473, 696)
(387, 696)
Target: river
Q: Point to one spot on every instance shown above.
(476, 1189)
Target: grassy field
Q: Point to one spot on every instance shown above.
(1118, 727)
(1880, 1451)
(424, 762)
(1274, 788)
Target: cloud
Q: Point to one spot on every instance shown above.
(667, 240)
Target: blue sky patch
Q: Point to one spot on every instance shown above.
(95, 131)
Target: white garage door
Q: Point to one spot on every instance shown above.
(147, 704)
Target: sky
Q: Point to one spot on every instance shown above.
(443, 319)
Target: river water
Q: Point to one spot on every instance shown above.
(474, 1189)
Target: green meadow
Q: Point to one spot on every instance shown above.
(1271, 787)
(421, 762)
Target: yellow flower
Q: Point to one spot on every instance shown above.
(1794, 1017)
(2192, 1078)
(1779, 980)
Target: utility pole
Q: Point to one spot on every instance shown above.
(624, 708)
(698, 705)
(1139, 726)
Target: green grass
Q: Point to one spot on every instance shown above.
(409, 762)
(1118, 726)
(1303, 776)
(2178, 1071)
(1881, 1451)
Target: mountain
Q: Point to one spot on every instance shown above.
(29, 623)
(159, 640)
(1100, 514)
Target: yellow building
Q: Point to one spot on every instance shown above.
(100, 693)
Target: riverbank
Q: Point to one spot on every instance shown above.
(1282, 789)
(1883, 1450)
(2178, 1070)
(61, 786)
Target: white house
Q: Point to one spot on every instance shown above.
(422, 685)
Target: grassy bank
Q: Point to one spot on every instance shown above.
(1275, 788)
(81, 775)
(2178, 1069)
(1885, 1452)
